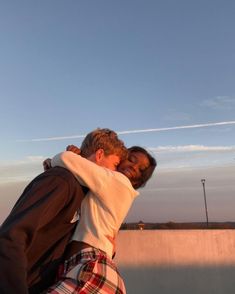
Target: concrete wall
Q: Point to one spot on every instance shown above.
(177, 261)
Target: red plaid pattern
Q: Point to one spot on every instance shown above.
(90, 271)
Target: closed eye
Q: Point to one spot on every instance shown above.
(132, 159)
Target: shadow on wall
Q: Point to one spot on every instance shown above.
(179, 280)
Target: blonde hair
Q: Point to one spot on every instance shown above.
(105, 139)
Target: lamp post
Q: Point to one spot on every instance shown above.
(204, 192)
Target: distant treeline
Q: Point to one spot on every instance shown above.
(177, 226)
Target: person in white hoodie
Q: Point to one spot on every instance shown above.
(89, 267)
(37, 230)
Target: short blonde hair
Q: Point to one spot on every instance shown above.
(105, 139)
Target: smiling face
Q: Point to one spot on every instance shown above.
(134, 166)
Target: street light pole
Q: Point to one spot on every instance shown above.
(204, 192)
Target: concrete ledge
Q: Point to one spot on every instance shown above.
(177, 261)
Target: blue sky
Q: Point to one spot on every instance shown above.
(67, 67)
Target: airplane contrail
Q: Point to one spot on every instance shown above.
(178, 127)
(136, 131)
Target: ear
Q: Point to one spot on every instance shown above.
(99, 155)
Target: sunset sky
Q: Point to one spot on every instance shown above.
(160, 73)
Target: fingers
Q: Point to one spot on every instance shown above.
(74, 149)
(47, 164)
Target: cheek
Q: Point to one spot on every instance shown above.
(108, 164)
(112, 167)
(104, 163)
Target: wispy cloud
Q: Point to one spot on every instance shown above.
(220, 103)
(35, 158)
(20, 170)
(27, 160)
(137, 131)
(192, 148)
(193, 156)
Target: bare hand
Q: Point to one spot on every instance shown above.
(47, 164)
(74, 149)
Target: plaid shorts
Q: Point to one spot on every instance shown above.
(88, 272)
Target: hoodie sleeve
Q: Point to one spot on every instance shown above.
(100, 180)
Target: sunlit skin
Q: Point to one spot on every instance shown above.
(109, 161)
(134, 165)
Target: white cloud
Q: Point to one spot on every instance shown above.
(193, 156)
(35, 158)
(192, 148)
(30, 159)
(220, 103)
(21, 170)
